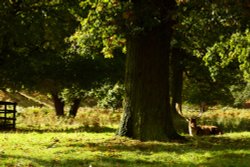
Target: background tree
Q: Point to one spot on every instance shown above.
(234, 52)
(34, 40)
(194, 34)
(37, 45)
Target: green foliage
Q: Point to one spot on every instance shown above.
(109, 95)
(33, 41)
(228, 60)
(197, 31)
(36, 53)
(69, 94)
(241, 94)
(218, 36)
(198, 86)
(99, 30)
(233, 51)
(197, 91)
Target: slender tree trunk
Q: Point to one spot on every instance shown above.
(147, 113)
(177, 68)
(59, 104)
(74, 107)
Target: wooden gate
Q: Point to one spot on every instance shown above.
(7, 115)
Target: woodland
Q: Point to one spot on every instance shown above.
(97, 82)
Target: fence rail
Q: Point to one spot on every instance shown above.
(7, 115)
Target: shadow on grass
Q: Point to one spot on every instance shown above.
(31, 161)
(60, 130)
(221, 143)
(223, 151)
(95, 161)
(228, 159)
(193, 144)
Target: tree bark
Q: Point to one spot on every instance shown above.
(59, 104)
(74, 107)
(177, 69)
(147, 113)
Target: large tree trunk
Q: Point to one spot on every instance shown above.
(147, 113)
(74, 107)
(59, 104)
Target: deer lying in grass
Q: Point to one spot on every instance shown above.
(198, 130)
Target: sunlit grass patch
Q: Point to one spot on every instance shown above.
(44, 149)
(106, 149)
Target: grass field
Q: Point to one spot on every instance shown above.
(106, 150)
(44, 141)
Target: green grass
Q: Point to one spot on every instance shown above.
(89, 140)
(105, 150)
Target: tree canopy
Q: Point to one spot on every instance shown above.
(66, 48)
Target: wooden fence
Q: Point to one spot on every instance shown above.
(7, 115)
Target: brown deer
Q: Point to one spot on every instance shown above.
(198, 130)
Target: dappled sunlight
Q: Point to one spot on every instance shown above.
(82, 142)
(106, 149)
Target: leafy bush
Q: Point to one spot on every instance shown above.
(109, 95)
(195, 92)
(241, 94)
